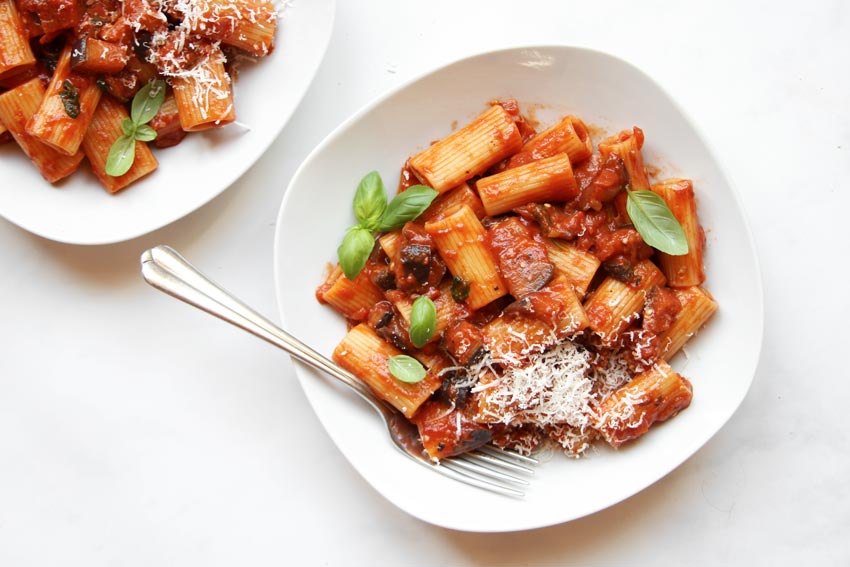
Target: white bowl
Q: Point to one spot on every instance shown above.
(608, 93)
(79, 211)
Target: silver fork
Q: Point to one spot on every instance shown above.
(488, 467)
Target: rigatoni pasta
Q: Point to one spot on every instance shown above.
(104, 129)
(247, 24)
(615, 304)
(15, 52)
(547, 180)
(569, 136)
(364, 353)
(458, 236)
(353, 298)
(470, 151)
(203, 95)
(67, 108)
(627, 146)
(698, 306)
(17, 106)
(652, 396)
(548, 316)
(577, 265)
(685, 270)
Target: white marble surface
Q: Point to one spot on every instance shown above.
(137, 431)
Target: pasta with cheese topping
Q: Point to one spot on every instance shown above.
(91, 56)
(558, 321)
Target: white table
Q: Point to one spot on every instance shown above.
(135, 430)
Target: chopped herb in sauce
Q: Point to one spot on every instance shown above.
(460, 289)
(70, 99)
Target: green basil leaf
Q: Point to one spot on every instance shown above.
(70, 97)
(121, 156)
(460, 289)
(423, 321)
(147, 101)
(370, 200)
(655, 222)
(406, 368)
(129, 128)
(355, 250)
(405, 207)
(145, 133)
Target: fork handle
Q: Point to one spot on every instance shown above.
(166, 270)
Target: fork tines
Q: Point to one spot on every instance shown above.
(492, 469)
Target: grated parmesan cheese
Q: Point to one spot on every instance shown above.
(554, 387)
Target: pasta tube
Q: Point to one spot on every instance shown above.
(459, 237)
(105, 128)
(468, 152)
(15, 52)
(543, 181)
(204, 97)
(614, 304)
(685, 270)
(17, 106)
(569, 136)
(652, 396)
(67, 108)
(363, 353)
(697, 307)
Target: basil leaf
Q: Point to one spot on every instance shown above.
(406, 368)
(355, 250)
(145, 133)
(70, 97)
(121, 156)
(405, 207)
(423, 321)
(370, 200)
(147, 101)
(655, 222)
(129, 128)
(460, 289)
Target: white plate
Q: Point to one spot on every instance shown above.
(605, 92)
(79, 211)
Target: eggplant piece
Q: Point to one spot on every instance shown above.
(417, 266)
(95, 56)
(522, 258)
(389, 326)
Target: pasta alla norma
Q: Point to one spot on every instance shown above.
(69, 71)
(555, 320)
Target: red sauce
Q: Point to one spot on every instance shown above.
(407, 178)
(660, 311)
(53, 16)
(621, 242)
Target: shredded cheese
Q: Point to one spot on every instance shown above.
(554, 387)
